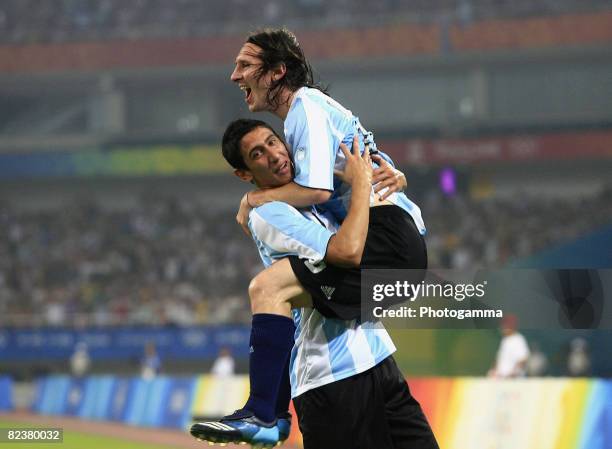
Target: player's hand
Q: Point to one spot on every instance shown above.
(358, 168)
(243, 214)
(387, 176)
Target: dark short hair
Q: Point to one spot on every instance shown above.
(235, 131)
(280, 46)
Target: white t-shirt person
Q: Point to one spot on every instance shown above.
(223, 366)
(512, 356)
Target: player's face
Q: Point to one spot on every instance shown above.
(246, 73)
(266, 157)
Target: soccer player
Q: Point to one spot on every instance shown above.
(332, 359)
(276, 77)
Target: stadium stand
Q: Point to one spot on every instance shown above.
(175, 262)
(153, 265)
(86, 20)
(498, 230)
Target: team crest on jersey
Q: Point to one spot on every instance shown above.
(328, 291)
(300, 154)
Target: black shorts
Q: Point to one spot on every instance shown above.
(371, 410)
(393, 242)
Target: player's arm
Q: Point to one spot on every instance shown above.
(299, 196)
(291, 193)
(385, 176)
(345, 248)
(282, 228)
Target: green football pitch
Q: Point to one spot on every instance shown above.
(76, 440)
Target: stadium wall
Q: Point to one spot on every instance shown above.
(391, 40)
(497, 91)
(465, 413)
(126, 343)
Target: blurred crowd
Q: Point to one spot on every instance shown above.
(167, 262)
(177, 262)
(466, 232)
(31, 21)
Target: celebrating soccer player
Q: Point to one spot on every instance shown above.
(275, 76)
(342, 371)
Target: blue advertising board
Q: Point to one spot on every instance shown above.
(75, 397)
(51, 395)
(122, 392)
(97, 397)
(178, 397)
(6, 393)
(159, 402)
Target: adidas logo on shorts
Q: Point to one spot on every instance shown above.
(328, 291)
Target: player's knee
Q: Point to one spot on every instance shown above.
(261, 291)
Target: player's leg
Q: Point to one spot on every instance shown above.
(276, 290)
(272, 293)
(393, 241)
(335, 416)
(406, 421)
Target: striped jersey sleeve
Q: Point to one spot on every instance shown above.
(314, 128)
(313, 143)
(280, 230)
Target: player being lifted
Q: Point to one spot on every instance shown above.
(276, 77)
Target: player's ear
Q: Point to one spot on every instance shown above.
(245, 175)
(279, 71)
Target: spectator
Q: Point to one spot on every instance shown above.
(578, 358)
(80, 361)
(513, 351)
(151, 363)
(223, 366)
(537, 363)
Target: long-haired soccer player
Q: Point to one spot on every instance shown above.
(275, 76)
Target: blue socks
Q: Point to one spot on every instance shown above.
(284, 390)
(270, 346)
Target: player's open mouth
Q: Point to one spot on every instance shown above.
(247, 93)
(283, 169)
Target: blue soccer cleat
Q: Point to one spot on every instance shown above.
(283, 422)
(240, 427)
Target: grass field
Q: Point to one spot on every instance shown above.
(76, 440)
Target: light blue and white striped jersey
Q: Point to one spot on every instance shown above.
(326, 350)
(314, 128)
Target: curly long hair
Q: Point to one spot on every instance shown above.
(280, 46)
